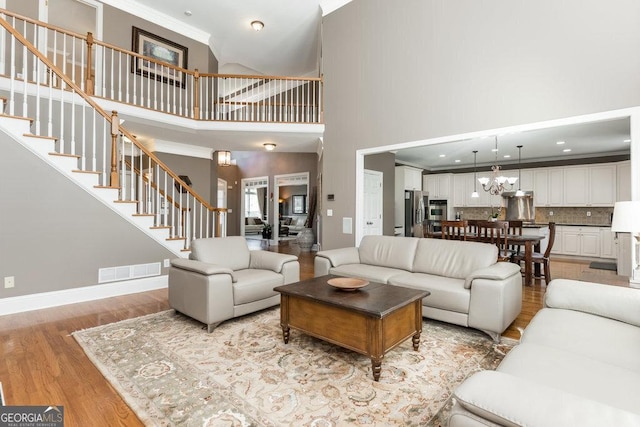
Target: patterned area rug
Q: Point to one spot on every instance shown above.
(170, 371)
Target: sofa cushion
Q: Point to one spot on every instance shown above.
(231, 252)
(446, 293)
(596, 337)
(372, 273)
(254, 285)
(575, 374)
(388, 251)
(452, 258)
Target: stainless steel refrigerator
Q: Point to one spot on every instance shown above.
(415, 213)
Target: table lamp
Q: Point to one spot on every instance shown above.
(626, 219)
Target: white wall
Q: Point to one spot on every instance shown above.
(398, 72)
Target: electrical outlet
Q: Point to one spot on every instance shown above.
(167, 262)
(588, 213)
(9, 282)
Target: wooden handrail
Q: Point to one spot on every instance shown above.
(97, 108)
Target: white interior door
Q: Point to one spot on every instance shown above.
(222, 203)
(372, 202)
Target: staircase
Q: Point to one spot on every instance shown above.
(46, 112)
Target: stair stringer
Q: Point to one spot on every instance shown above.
(16, 128)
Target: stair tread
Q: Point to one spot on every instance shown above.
(108, 187)
(51, 138)
(160, 227)
(17, 117)
(176, 238)
(137, 214)
(125, 201)
(91, 172)
(64, 155)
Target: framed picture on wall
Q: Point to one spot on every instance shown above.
(161, 50)
(299, 204)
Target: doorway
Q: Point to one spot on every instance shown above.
(291, 202)
(254, 207)
(222, 203)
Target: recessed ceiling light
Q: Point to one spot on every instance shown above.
(269, 146)
(494, 150)
(627, 140)
(257, 25)
(457, 160)
(560, 142)
(566, 150)
(506, 156)
(188, 12)
(441, 155)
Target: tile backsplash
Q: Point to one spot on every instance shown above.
(559, 215)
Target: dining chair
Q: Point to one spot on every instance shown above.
(473, 226)
(541, 258)
(454, 230)
(515, 229)
(495, 232)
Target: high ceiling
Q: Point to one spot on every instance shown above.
(288, 45)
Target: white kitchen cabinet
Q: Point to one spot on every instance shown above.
(459, 189)
(623, 181)
(580, 241)
(412, 178)
(548, 187)
(438, 185)
(593, 185)
(607, 243)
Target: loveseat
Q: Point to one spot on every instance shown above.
(468, 287)
(253, 225)
(577, 364)
(296, 224)
(223, 279)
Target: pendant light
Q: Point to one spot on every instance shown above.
(519, 193)
(475, 180)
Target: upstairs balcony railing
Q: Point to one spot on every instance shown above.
(106, 71)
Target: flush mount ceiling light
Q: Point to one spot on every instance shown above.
(269, 146)
(224, 158)
(257, 25)
(188, 12)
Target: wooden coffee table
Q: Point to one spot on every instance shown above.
(371, 320)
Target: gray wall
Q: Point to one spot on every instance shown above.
(198, 170)
(53, 234)
(385, 163)
(426, 68)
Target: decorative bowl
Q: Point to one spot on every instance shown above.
(347, 283)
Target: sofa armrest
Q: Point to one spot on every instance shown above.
(341, 256)
(265, 260)
(510, 401)
(614, 302)
(200, 267)
(497, 271)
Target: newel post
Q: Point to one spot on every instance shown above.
(196, 95)
(115, 130)
(88, 79)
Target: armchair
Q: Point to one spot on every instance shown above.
(223, 279)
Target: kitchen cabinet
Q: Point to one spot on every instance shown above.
(548, 186)
(623, 181)
(464, 185)
(438, 185)
(412, 177)
(580, 241)
(593, 185)
(607, 243)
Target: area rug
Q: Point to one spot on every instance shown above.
(170, 371)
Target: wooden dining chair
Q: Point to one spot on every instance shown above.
(541, 258)
(495, 232)
(515, 229)
(473, 226)
(454, 230)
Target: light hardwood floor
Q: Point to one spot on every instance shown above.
(41, 364)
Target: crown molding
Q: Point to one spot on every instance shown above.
(166, 21)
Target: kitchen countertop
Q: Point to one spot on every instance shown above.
(570, 224)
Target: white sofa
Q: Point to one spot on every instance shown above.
(468, 287)
(577, 364)
(253, 225)
(296, 224)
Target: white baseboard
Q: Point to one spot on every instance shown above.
(24, 303)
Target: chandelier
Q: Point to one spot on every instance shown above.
(498, 182)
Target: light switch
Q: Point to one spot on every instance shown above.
(329, 212)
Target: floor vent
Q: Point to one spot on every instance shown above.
(127, 272)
